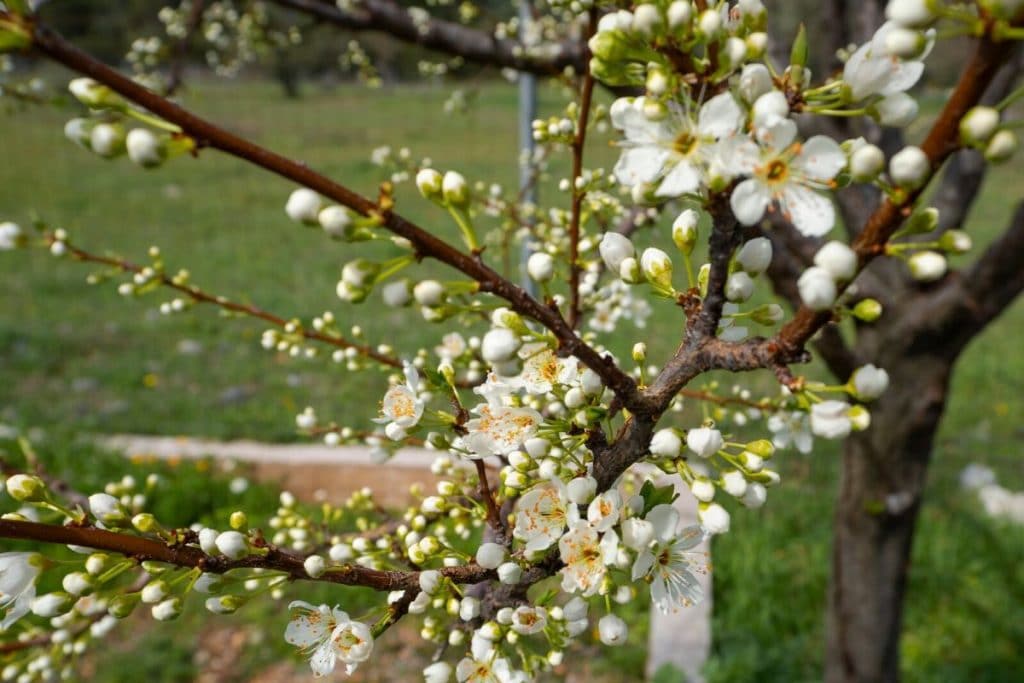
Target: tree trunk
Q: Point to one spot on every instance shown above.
(883, 476)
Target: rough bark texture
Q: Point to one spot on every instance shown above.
(883, 476)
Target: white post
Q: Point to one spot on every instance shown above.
(527, 113)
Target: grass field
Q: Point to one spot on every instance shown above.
(77, 360)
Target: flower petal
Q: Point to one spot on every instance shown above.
(682, 179)
(821, 159)
(811, 213)
(664, 518)
(720, 116)
(640, 164)
(323, 660)
(749, 201)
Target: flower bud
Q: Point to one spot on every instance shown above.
(499, 345)
(490, 555)
(469, 608)
(1001, 147)
(755, 496)
(979, 125)
(755, 256)
(224, 604)
(927, 266)
(510, 573)
(684, 231)
(905, 43)
(145, 522)
(629, 271)
(540, 266)
(304, 206)
(396, 293)
(770, 106)
(107, 509)
(455, 189)
(817, 288)
(646, 19)
(77, 583)
(869, 382)
(704, 441)
(709, 23)
(657, 268)
(26, 488)
(866, 162)
(734, 483)
(429, 182)
(867, 310)
(838, 259)
(428, 293)
(909, 167)
(154, 591)
(233, 544)
(911, 13)
(336, 221)
(679, 14)
(615, 249)
(11, 236)
(93, 94)
(51, 605)
(702, 489)
(167, 610)
(713, 517)
(145, 148)
(739, 287)
(107, 139)
(666, 444)
(956, 242)
(897, 110)
(612, 630)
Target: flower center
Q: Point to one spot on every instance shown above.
(684, 144)
(776, 171)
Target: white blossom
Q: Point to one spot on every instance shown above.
(831, 419)
(704, 441)
(670, 565)
(329, 636)
(18, 574)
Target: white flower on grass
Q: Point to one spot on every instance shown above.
(11, 235)
(831, 419)
(672, 152)
(329, 636)
(542, 514)
(18, 574)
(871, 70)
(585, 557)
(670, 565)
(869, 382)
(401, 405)
(791, 428)
(784, 170)
(452, 346)
(499, 429)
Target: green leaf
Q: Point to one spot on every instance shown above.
(657, 495)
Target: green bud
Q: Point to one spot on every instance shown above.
(702, 279)
(922, 222)
(798, 55)
(238, 520)
(145, 522)
(867, 310)
(94, 94)
(956, 242)
(122, 606)
(762, 447)
(26, 488)
(14, 35)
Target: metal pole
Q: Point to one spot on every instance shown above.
(527, 113)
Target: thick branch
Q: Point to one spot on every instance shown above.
(426, 244)
(942, 141)
(448, 37)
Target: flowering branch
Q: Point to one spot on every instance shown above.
(578, 193)
(199, 296)
(426, 244)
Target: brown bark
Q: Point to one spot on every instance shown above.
(883, 476)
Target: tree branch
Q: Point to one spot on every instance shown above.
(426, 244)
(269, 557)
(447, 37)
(578, 144)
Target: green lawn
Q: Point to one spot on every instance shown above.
(79, 360)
